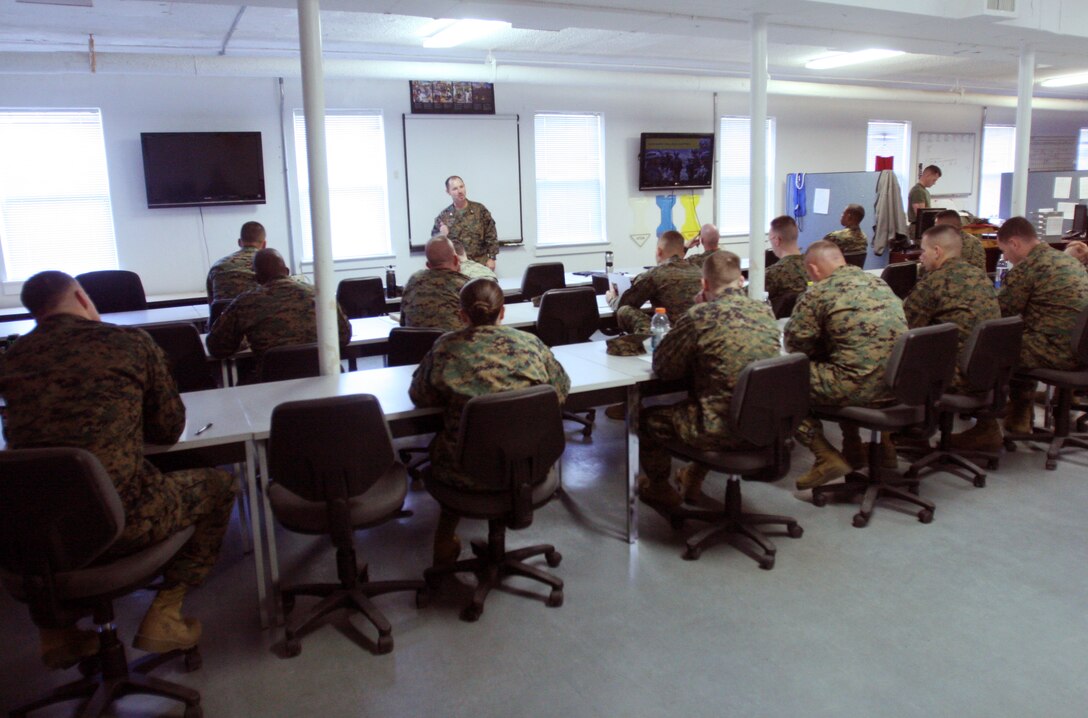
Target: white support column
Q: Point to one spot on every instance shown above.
(313, 93)
(757, 220)
(1025, 87)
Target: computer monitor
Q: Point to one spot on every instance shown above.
(1080, 220)
(925, 219)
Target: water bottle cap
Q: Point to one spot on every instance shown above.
(659, 310)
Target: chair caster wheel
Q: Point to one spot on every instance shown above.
(766, 563)
(819, 499)
(194, 712)
(288, 603)
(385, 644)
(193, 660)
(291, 647)
(423, 598)
(553, 558)
(979, 481)
(555, 598)
(925, 516)
(860, 521)
(794, 531)
(471, 612)
(1051, 465)
(692, 553)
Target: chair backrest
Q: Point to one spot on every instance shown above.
(215, 309)
(362, 297)
(567, 316)
(856, 258)
(1080, 337)
(296, 361)
(990, 356)
(114, 290)
(408, 345)
(771, 399)
(508, 441)
(922, 364)
(59, 511)
(539, 278)
(783, 304)
(769, 257)
(600, 283)
(188, 361)
(330, 450)
(901, 277)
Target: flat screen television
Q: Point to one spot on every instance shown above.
(675, 160)
(196, 169)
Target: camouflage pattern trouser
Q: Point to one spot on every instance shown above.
(827, 389)
(633, 320)
(656, 427)
(195, 497)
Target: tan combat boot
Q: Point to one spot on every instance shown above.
(853, 448)
(65, 647)
(985, 435)
(829, 465)
(1019, 416)
(164, 628)
(659, 494)
(690, 480)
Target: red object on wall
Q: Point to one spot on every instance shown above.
(884, 163)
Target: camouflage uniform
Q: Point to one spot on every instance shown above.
(432, 299)
(477, 361)
(973, 252)
(475, 270)
(710, 345)
(850, 240)
(107, 389)
(956, 292)
(786, 276)
(672, 284)
(278, 313)
(697, 260)
(1048, 289)
(847, 324)
(232, 275)
(475, 228)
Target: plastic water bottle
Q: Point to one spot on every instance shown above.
(1000, 271)
(390, 282)
(659, 327)
(608, 262)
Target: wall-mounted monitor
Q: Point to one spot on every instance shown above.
(675, 160)
(196, 169)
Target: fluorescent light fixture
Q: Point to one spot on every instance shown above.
(459, 32)
(842, 59)
(1081, 78)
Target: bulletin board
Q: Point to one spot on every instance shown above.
(1059, 191)
(954, 153)
(826, 196)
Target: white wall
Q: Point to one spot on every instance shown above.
(171, 248)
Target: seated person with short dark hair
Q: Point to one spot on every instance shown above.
(672, 284)
(431, 298)
(850, 239)
(973, 252)
(787, 275)
(233, 274)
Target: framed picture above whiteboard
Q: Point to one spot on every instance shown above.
(954, 153)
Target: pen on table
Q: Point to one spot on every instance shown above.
(202, 429)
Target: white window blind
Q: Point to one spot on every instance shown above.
(569, 179)
(55, 208)
(358, 184)
(998, 155)
(734, 182)
(1082, 149)
(890, 139)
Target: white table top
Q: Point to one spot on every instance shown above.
(512, 285)
(183, 314)
(371, 330)
(221, 409)
(637, 368)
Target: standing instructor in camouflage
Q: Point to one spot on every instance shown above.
(469, 222)
(75, 381)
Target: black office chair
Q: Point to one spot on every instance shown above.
(408, 345)
(920, 367)
(295, 361)
(539, 278)
(1066, 383)
(333, 472)
(769, 258)
(856, 258)
(362, 297)
(114, 290)
(769, 402)
(901, 277)
(188, 361)
(569, 316)
(59, 513)
(599, 283)
(987, 363)
(508, 443)
(783, 304)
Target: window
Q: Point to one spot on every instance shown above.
(734, 182)
(998, 155)
(890, 139)
(358, 184)
(569, 179)
(1082, 149)
(55, 208)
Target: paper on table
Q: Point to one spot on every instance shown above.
(1053, 226)
(1062, 187)
(621, 282)
(821, 198)
(1083, 187)
(1067, 209)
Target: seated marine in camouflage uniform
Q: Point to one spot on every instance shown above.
(708, 237)
(279, 312)
(787, 275)
(973, 252)
(710, 344)
(846, 323)
(483, 358)
(850, 239)
(469, 268)
(232, 275)
(672, 284)
(1079, 251)
(76, 381)
(431, 297)
(1048, 289)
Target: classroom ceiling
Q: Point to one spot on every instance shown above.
(953, 45)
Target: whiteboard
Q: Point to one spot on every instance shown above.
(484, 150)
(954, 153)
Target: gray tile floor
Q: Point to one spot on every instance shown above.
(981, 613)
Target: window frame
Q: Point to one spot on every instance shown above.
(743, 177)
(595, 236)
(902, 169)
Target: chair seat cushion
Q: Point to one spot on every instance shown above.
(383, 499)
(117, 577)
(486, 504)
(890, 417)
(739, 461)
(963, 402)
(1075, 379)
